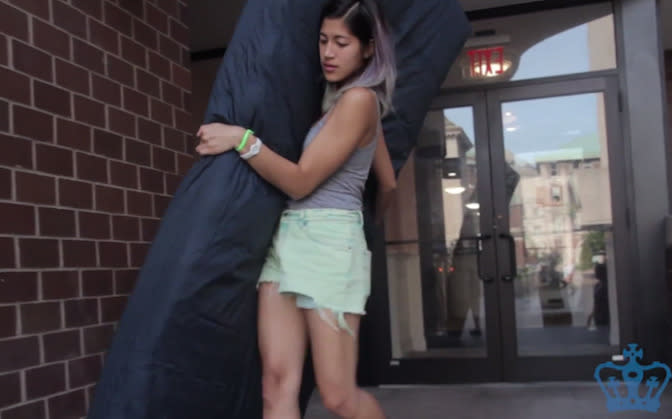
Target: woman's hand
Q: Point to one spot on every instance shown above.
(217, 138)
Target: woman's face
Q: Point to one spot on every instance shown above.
(341, 53)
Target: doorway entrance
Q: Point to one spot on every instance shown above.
(501, 248)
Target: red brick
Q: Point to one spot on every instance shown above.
(96, 283)
(69, 405)
(40, 317)
(184, 121)
(109, 199)
(159, 65)
(98, 339)
(137, 152)
(11, 389)
(161, 202)
(139, 203)
(125, 175)
(163, 159)
(106, 90)
(54, 160)
(168, 6)
(20, 353)
(80, 313)
(92, 8)
(26, 411)
(113, 254)
(57, 222)
(148, 83)
(133, 7)
(84, 371)
(145, 34)
(91, 168)
(138, 253)
(104, 37)
(17, 286)
(157, 18)
(16, 219)
(35, 188)
(112, 308)
(13, 22)
(39, 253)
(33, 124)
(7, 256)
(186, 101)
(125, 228)
(184, 163)
(151, 180)
(94, 225)
(5, 184)
(14, 86)
(79, 253)
(161, 112)
(121, 122)
(133, 52)
(7, 322)
(174, 139)
(74, 135)
(4, 52)
(172, 183)
(88, 56)
(4, 116)
(51, 39)
(52, 99)
(89, 111)
(171, 94)
(72, 77)
(124, 280)
(183, 13)
(136, 102)
(107, 144)
(59, 285)
(179, 32)
(170, 49)
(61, 346)
(34, 7)
(69, 19)
(149, 131)
(32, 61)
(120, 71)
(118, 19)
(44, 381)
(75, 194)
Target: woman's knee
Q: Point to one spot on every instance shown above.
(279, 383)
(339, 399)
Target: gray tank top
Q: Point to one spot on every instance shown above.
(344, 189)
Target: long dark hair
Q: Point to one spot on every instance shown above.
(366, 22)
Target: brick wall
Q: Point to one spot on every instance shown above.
(94, 135)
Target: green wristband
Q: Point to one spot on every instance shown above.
(244, 140)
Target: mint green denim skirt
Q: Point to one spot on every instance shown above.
(321, 257)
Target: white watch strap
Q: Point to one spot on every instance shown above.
(254, 149)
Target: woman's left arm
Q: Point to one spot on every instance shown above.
(351, 120)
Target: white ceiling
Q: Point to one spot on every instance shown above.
(212, 21)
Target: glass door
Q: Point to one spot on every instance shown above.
(502, 245)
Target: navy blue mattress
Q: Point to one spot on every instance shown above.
(186, 344)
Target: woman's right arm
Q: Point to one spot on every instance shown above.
(387, 182)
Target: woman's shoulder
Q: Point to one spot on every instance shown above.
(358, 99)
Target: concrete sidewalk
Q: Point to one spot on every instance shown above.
(499, 401)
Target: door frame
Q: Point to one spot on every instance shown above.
(503, 364)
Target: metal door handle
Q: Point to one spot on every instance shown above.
(480, 238)
(512, 257)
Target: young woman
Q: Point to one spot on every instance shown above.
(316, 279)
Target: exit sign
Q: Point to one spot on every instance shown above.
(487, 62)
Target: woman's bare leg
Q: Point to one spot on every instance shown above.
(282, 343)
(335, 362)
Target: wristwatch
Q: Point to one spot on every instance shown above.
(253, 151)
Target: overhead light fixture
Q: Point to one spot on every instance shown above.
(473, 206)
(455, 190)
